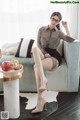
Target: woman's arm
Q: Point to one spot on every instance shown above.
(65, 37)
(65, 25)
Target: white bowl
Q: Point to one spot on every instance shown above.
(11, 72)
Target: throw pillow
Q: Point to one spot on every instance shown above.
(24, 48)
(9, 48)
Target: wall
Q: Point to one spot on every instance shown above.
(22, 18)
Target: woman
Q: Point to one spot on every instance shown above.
(46, 56)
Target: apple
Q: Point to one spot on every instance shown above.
(6, 65)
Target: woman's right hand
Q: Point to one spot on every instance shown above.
(64, 23)
(47, 55)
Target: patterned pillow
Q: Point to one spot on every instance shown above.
(24, 48)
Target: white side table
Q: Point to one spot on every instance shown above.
(11, 92)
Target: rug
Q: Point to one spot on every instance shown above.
(49, 96)
(28, 102)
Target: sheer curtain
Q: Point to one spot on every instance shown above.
(79, 21)
(22, 18)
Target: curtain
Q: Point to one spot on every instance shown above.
(22, 18)
(78, 22)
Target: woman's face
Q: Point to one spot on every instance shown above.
(54, 21)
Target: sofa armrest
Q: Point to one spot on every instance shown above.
(71, 55)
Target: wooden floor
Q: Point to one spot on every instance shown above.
(68, 107)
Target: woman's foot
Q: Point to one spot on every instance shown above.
(43, 86)
(40, 106)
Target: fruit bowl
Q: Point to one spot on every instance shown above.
(11, 72)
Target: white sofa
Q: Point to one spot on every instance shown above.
(64, 78)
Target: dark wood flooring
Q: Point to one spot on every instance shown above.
(68, 107)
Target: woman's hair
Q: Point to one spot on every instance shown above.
(58, 26)
(56, 14)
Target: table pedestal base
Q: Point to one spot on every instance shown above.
(11, 98)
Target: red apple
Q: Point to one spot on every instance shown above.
(6, 65)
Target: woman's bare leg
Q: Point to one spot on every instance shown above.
(40, 99)
(50, 63)
(41, 54)
(38, 62)
(38, 80)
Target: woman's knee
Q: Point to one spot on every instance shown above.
(34, 49)
(47, 64)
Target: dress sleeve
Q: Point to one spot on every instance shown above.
(39, 41)
(65, 37)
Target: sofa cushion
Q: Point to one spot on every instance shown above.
(21, 60)
(24, 48)
(9, 48)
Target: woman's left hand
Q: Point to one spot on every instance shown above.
(47, 55)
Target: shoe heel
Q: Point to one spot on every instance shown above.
(40, 107)
(45, 107)
(46, 86)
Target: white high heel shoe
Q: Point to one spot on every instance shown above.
(40, 106)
